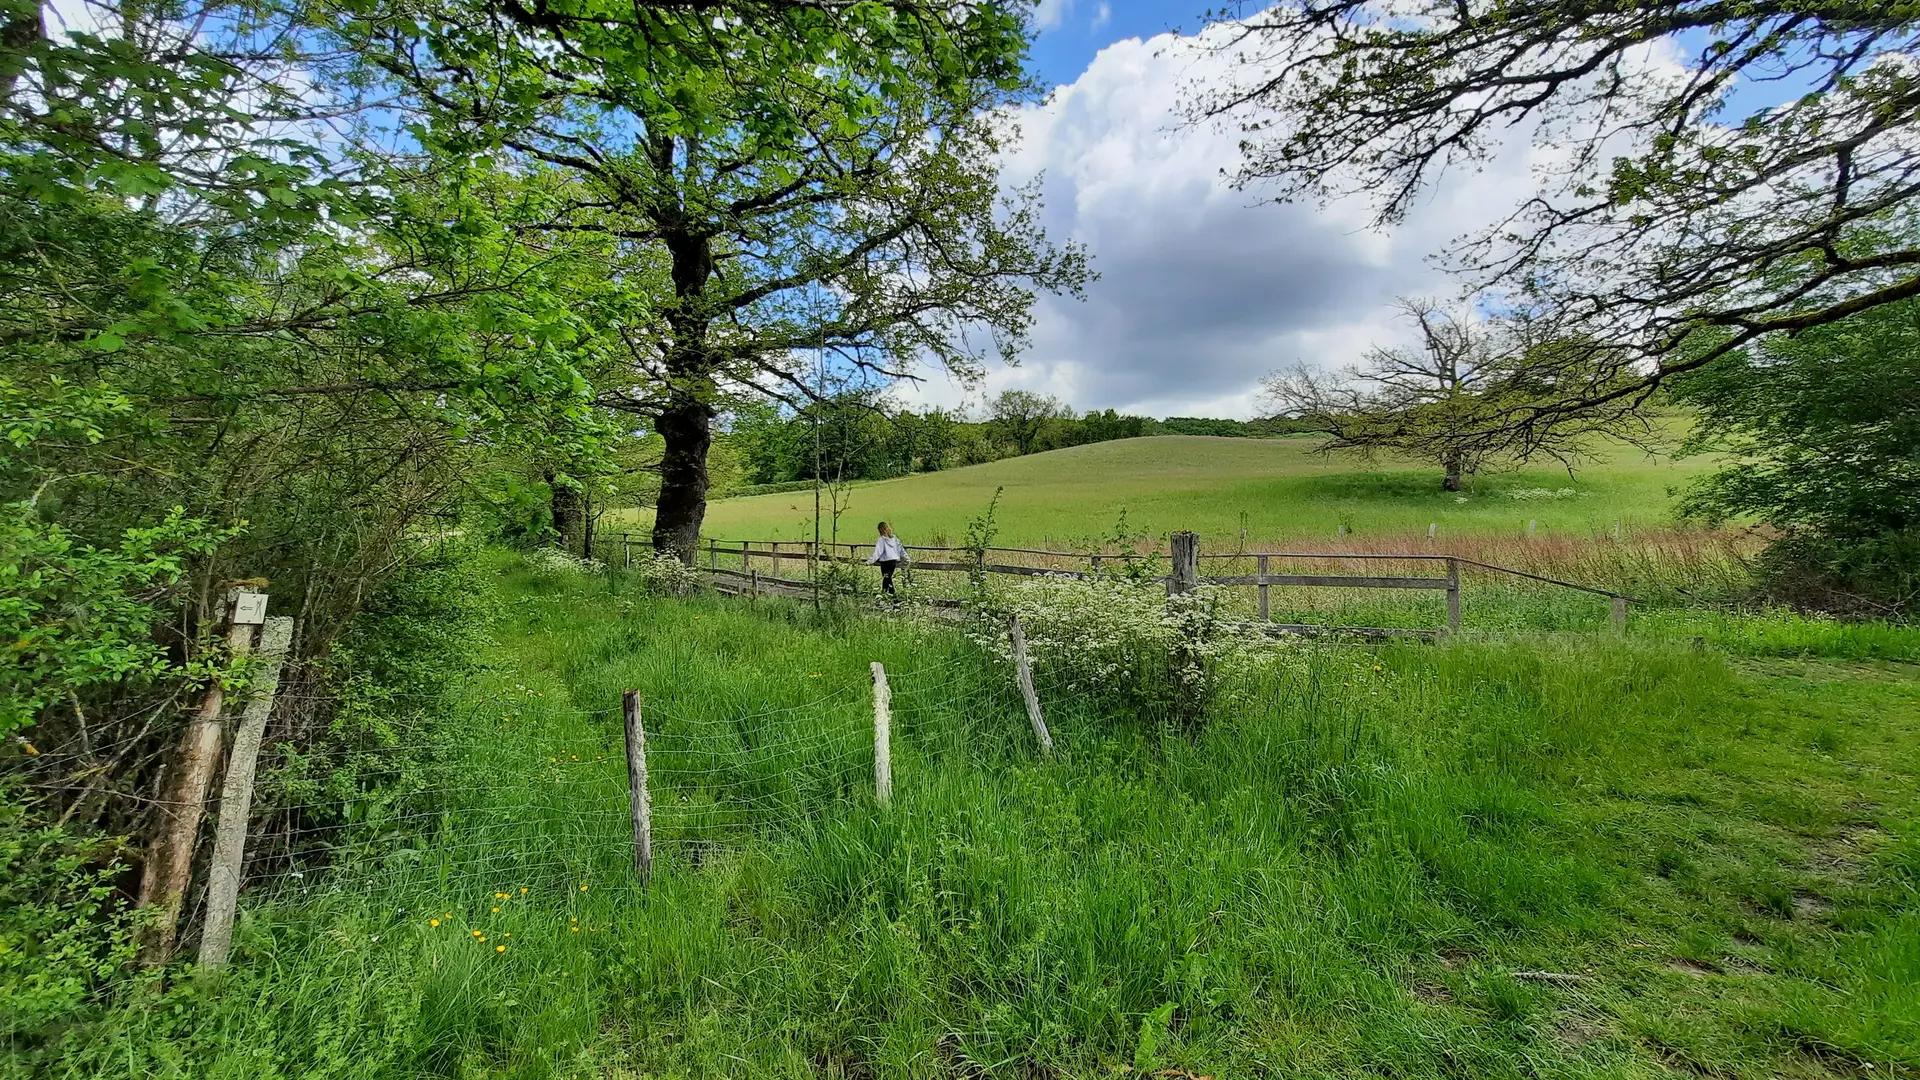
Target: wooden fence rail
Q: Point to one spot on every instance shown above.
(1185, 561)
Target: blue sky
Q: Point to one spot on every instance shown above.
(1077, 29)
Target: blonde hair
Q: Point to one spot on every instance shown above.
(886, 529)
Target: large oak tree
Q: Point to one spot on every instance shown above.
(803, 176)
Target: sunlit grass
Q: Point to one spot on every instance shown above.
(1339, 875)
(1271, 491)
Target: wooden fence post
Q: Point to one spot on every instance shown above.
(168, 868)
(1023, 672)
(1620, 614)
(236, 796)
(713, 555)
(1453, 595)
(626, 549)
(1186, 562)
(882, 736)
(1262, 570)
(639, 800)
(753, 584)
(776, 558)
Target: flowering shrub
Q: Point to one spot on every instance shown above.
(550, 560)
(1127, 644)
(665, 575)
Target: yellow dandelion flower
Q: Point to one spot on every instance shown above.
(583, 888)
(483, 941)
(575, 929)
(476, 933)
(499, 896)
(499, 948)
(496, 911)
(523, 890)
(503, 937)
(433, 922)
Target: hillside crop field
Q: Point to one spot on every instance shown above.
(1575, 855)
(1276, 490)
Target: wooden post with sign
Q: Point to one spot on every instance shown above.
(168, 868)
(236, 796)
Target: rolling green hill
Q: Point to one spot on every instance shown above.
(1274, 489)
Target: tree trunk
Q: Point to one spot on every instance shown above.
(1455, 469)
(567, 516)
(686, 422)
(686, 427)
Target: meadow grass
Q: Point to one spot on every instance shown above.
(1267, 490)
(1351, 869)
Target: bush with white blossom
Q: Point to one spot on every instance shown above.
(552, 560)
(665, 575)
(1127, 643)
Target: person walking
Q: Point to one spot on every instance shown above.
(888, 554)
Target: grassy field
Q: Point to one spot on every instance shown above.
(1357, 867)
(1274, 489)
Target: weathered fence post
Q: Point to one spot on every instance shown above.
(168, 868)
(639, 800)
(1262, 570)
(236, 796)
(1023, 672)
(1453, 595)
(626, 549)
(746, 556)
(713, 554)
(1186, 562)
(776, 558)
(882, 736)
(1620, 614)
(753, 584)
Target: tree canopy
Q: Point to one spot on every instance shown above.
(1672, 229)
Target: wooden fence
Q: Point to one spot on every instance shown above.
(741, 562)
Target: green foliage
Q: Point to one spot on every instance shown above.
(1823, 429)
(77, 617)
(368, 753)
(63, 928)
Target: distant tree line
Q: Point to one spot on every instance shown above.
(861, 435)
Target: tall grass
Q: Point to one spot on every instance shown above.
(1337, 874)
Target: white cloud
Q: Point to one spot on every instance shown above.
(1048, 14)
(1204, 288)
(1102, 15)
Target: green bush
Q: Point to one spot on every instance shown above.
(62, 931)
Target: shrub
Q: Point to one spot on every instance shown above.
(552, 560)
(1126, 644)
(664, 575)
(61, 931)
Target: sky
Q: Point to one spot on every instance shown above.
(1203, 289)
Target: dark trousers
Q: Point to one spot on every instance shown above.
(886, 575)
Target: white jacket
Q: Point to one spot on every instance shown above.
(888, 547)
